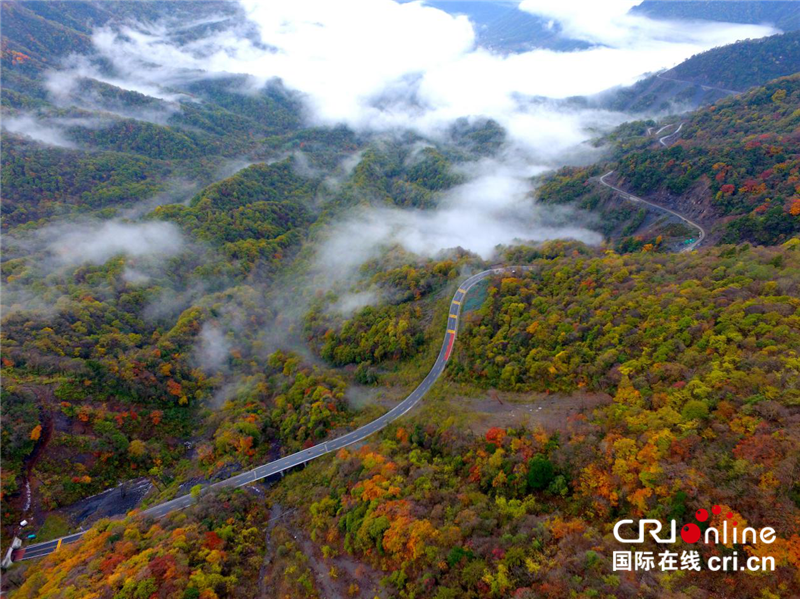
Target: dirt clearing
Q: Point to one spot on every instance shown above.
(552, 412)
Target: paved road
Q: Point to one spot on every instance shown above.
(660, 130)
(42, 549)
(301, 457)
(705, 87)
(628, 196)
(673, 134)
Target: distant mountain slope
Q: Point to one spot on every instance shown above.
(784, 14)
(46, 31)
(706, 77)
(87, 144)
(734, 166)
(502, 26)
(744, 64)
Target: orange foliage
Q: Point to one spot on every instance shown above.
(174, 388)
(373, 488)
(562, 528)
(156, 416)
(495, 435)
(402, 435)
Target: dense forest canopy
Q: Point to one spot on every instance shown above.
(744, 64)
(222, 246)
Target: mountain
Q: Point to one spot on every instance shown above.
(223, 191)
(503, 27)
(629, 385)
(733, 166)
(783, 14)
(742, 65)
(200, 278)
(705, 78)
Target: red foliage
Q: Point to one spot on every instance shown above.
(110, 563)
(750, 185)
(496, 435)
(161, 567)
(213, 541)
(174, 388)
(759, 449)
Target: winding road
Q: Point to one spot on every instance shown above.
(632, 198)
(301, 457)
(661, 139)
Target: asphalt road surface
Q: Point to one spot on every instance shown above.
(701, 235)
(662, 141)
(705, 87)
(42, 549)
(301, 457)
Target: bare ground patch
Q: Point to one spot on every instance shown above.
(552, 412)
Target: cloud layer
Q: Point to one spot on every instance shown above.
(47, 132)
(96, 243)
(495, 207)
(379, 65)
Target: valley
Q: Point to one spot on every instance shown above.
(396, 299)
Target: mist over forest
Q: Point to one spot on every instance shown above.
(236, 233)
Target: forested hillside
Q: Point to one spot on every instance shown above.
(41, 183)
(108, 358)
(780, 13)
(109, 361)
(735, 164)
(213, 549)
(695, 353)
(204, 271)
(709, 76)
(85, 144)
(742, 65)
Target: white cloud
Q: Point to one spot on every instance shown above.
(213, 348)
(380, 65)
(495, 207)
(63, 245)
(41, 131)
(95, 243)
(609, 23)
(134, 72)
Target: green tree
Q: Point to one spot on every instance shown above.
(540, 473)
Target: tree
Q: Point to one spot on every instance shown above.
(540, 473)
(695, 409)
(195, 492)
(137, 448)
